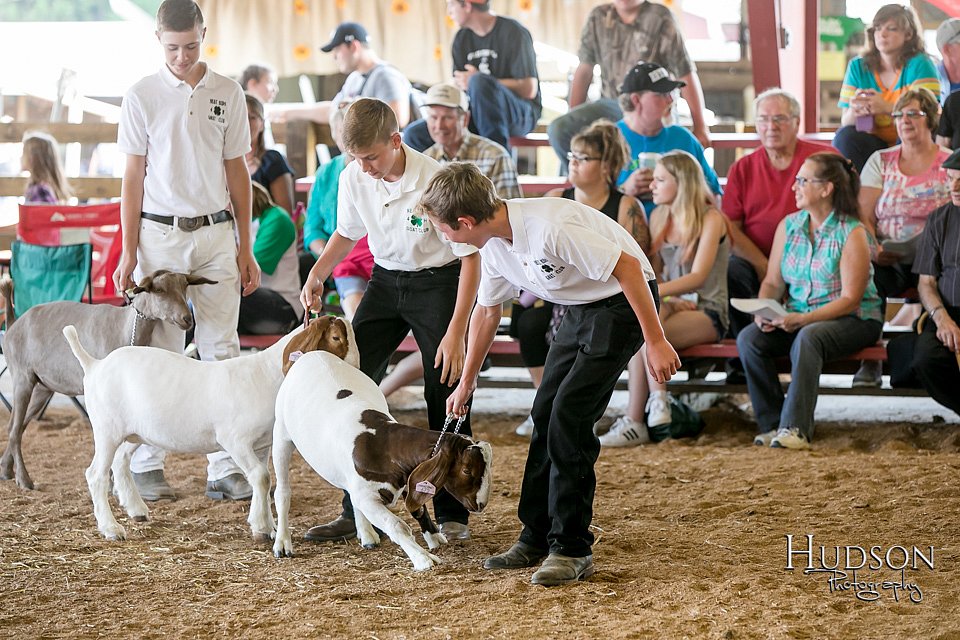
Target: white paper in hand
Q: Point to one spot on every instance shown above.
(766, 308)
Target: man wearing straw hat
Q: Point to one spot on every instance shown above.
(936, 360)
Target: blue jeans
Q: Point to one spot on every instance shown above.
(808, 349)
(562, 130)
(857, 145)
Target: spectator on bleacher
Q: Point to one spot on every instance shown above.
(368, 77)
(275, 306)
(820, 270)
(189, 212)
(900, 187)
(597, 156)
(40, 158)
(948, 69)
(447, 114)
(616, 36)
(936, 359)
(758, 196)
(892, 61)
(353, 273)
(266, 166)
(645, 98)
(690, 253)
(495, 64)
(261, 81)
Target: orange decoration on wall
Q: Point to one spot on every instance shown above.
(450, 23)
(341, 4)
(300, 7)
(301, 52)
(400, 6)
(525, 5)
(211, 51)
(437, 53)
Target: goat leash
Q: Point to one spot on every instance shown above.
(446, 423)
(129, 300)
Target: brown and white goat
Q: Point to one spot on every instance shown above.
(41, 364)
(146, 395)
(337, 418)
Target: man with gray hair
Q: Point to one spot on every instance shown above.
(758, 193)
(948, 69)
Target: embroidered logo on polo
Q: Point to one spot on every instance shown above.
(548, 268)
(416, 223)
(218, 111)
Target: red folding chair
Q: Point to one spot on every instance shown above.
(98, 224)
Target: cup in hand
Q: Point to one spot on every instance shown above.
(647, 160)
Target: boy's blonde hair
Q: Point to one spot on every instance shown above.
(459, 189)
(367, 122)
(43, 162)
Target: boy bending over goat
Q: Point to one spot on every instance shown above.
(202, 407)
(338, 419)
(40, 363)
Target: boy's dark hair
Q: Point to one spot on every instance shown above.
(253, 73)
(179, 15)
(367, 122)
(459, 189)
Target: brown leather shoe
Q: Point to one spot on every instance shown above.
(341, 529)
(519, 556)
(559, 569)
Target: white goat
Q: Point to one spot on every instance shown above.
(338, 419)
(40, 363)
(145, 395)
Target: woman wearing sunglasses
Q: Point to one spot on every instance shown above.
(900, 187)
(820, 271)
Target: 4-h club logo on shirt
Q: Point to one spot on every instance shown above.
(416, 223)
(218, 111)
(549, 269)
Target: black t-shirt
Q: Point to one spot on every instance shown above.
(505, 52)
(272, 166)
(950, 120)
(938, 253)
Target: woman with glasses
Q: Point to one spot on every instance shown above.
(893, 60)
(267, 166)
(821, 273)
(597, 155)
(900, 187)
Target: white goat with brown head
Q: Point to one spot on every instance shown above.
(337, 418)
(145, 395)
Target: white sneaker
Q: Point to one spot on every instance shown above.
(625, 432)
(525, 428)
(764, 439)
(658, 409)
(789, 439)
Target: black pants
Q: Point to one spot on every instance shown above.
(531, 328)
(590, 351)
(742, 282)
(936, 366)
(893, 281)
(265, 312)
(395, 303)
(857, 145)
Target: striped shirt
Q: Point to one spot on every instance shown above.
(938, 253)
(811, 269)
(918, 72)
(492, 160)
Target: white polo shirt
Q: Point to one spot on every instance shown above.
(562, 251)
(400, 238)
(185, 133)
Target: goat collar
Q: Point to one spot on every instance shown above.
(446, 424)
(136, 319)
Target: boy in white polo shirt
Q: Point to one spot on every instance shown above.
(561, 251)
(420, 281)
(184, 130)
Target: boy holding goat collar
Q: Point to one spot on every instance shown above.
(420, 282)
(561, 251)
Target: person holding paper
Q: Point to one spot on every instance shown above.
(900, 187)
(820, 268)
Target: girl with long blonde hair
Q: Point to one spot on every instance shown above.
(690, 252)
(42, 160)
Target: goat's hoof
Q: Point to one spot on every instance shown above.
(116, 535)
(259, 536)
(139, 518)
(371, 545)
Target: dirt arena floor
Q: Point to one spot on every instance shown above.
(691, 543)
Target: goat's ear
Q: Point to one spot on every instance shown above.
(433, 472)
(192, 279)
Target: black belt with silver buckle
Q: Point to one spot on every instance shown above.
(188, 224)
